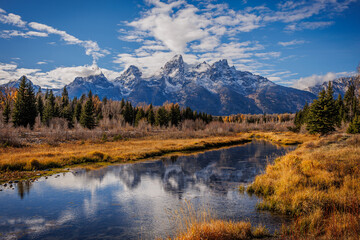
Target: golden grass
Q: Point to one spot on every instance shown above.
(45, 156)
(319, 184)
(285, 138)
(198, 224)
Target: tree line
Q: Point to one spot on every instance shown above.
(22, 106)
(326, 113)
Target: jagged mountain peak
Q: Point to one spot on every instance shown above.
(132, 70)
(201, 67)
(223, 63)
(217, 88)
(16, 83)
(175, 66)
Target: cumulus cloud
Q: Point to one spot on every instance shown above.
(313, 80)
(11, 18)
(177, 24)
(210, 31)
(291, 43)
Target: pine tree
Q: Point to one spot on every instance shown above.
(24, 113)
(350, 103)
(323, 113)
(354, 126)
(341, 109)
(7, 112)
(139, 115)
(128, 113)
(40, 105)
(175, 115)
(49, 110)
(150, 115)
(122, 106)
(64, 101)
(161, 117)
(87, 118)
(77, 111)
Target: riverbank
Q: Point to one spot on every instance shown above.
(29, 162)
(318, 184)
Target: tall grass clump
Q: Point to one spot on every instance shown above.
(196, 224)
(318, 184)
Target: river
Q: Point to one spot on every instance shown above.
(136, 201)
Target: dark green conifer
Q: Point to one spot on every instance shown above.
(6, 112)
(87, 118)
(24, 113)
(77, 111)
(161, 117)
(323, 113)
(175, 115)
(150, 115)
(354, 127)
(49, 110)
(139, 115)
(40, 105)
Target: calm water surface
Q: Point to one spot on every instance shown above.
(133, 201)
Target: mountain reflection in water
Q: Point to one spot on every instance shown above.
(132, 200)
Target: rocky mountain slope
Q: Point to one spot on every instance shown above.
(218, 89)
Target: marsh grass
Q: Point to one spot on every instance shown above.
(200, 223)
(318, 184)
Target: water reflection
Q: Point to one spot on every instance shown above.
(129, 201)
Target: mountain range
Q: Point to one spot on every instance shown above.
(217, 89)
(339, 85)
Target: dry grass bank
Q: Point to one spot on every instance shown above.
(285, 138)
(44, 156)
(319, 184)
(225, 230)
(199, 223)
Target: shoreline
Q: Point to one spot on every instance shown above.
(31, 162)
(50, 161)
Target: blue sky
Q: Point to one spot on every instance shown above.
(293, 43)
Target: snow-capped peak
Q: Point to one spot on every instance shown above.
(174, 66)
(221, 64)
(132, 70)
(201, 67)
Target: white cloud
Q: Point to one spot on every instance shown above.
(291, 43)
(11, 18)
(15, 33)
(208, 31)
(268, 55)
(91, 47)
(308, 25)
(305, 82)
(42, 30)
(41, 63)
(291, 11)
